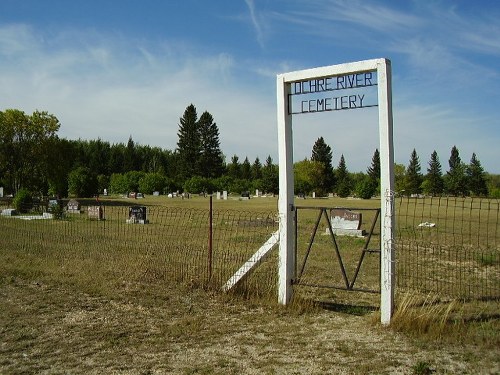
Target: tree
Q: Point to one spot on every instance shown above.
(413, 176)
(365, 188)
(256, 171)
(373, 170)
(234, 168)
(211, 162)
(455, 181)
(433, 183)
(270, 177)
(246, 170)
(151, 182)
(130, 157)
(82, 182)
(322, 153)
(343, 179)
(24, 148)
(189, 144)
(476, 178)
(399, 178)
(308, 176)
(118, 183)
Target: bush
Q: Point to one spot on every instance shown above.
(366, 188)
(23, 202)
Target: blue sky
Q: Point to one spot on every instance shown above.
(114, 69)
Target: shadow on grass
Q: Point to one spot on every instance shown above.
(358, 310)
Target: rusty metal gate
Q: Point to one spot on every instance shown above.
(340, 259)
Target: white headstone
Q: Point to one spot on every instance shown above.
(1, 192)
(224, 195)
(218, 195)
(345, 222)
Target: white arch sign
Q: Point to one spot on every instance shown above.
(321, 90)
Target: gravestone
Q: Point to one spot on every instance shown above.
(105, 192)
(224, 195)
(245, 195)
(53, 203)
(1, 191)
(346, 222)
(9, 212)
(156, 193)
(218, 195)
(137, 215)
(73, 207)
(95, 213)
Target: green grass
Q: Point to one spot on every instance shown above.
(76, 289)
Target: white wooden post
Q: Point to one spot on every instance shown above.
(286, 204)
(286, 266)
(387, 258)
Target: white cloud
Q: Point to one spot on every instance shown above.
(255, 22)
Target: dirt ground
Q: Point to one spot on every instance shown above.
(60, 329)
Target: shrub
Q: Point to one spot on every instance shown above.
(23, 202)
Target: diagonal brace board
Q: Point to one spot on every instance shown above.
(253, 262)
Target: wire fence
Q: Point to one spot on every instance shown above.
(448, 246)
(200, 246)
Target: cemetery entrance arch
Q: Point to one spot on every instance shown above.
(322, 90)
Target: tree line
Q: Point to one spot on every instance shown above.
(34, 158)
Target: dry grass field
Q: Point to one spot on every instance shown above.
(102, 301)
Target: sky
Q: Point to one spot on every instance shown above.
(114, 69)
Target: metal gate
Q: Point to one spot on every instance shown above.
(344, 254)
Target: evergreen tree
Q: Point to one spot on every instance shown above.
(372, 184)
(270, 177)
(322, 153)
(476, 177)
(256, 169)
(373, 171)
(234, 168)
(129, 157)
(189, 144)
(246, 170)
(434, 183)
(455, 182)
(343, 179)
(211, 159)
(413, 176)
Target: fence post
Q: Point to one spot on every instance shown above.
(210, 219)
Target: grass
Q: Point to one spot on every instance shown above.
(81, 296)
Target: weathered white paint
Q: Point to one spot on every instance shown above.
(285, 202)
(387, 257)
(253, 262)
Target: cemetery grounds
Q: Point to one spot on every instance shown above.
(88, 296)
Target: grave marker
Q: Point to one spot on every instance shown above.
(95, 213)
(73, 207)
(346, 222)
(137, 215)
